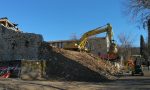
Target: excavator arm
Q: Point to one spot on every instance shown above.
(84, 39)
(85, 36)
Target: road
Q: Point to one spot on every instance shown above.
(123, 83)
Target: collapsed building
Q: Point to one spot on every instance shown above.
(33, 58)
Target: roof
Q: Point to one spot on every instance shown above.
(5, 22)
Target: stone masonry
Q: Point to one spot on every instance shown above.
(16, 45)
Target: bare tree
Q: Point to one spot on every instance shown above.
(125, 49)
(73, 36)
(139, 10)
(125, 40)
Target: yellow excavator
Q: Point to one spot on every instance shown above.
(84, 39)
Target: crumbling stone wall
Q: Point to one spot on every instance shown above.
(16, 45)
(31, 69)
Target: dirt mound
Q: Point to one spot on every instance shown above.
(72, 65)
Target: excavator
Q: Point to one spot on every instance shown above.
(134, 65)
(84, 39)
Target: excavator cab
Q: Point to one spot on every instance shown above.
(113, 51)
(113, 47)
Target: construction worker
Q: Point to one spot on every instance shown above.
(131, 64)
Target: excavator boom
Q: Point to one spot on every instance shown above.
(85, 36)
(84, 39)
(98, 30)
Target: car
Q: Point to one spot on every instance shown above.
(137, 70)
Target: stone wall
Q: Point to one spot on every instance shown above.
(31, 69)
(16, 45)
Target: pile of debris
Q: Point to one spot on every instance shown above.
(72, 65)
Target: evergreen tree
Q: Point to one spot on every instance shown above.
(142, 45)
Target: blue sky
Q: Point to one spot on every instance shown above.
(60, 19)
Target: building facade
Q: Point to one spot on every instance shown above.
(96, 45)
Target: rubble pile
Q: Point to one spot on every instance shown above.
(72, 65)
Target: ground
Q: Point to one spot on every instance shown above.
(123, 83)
